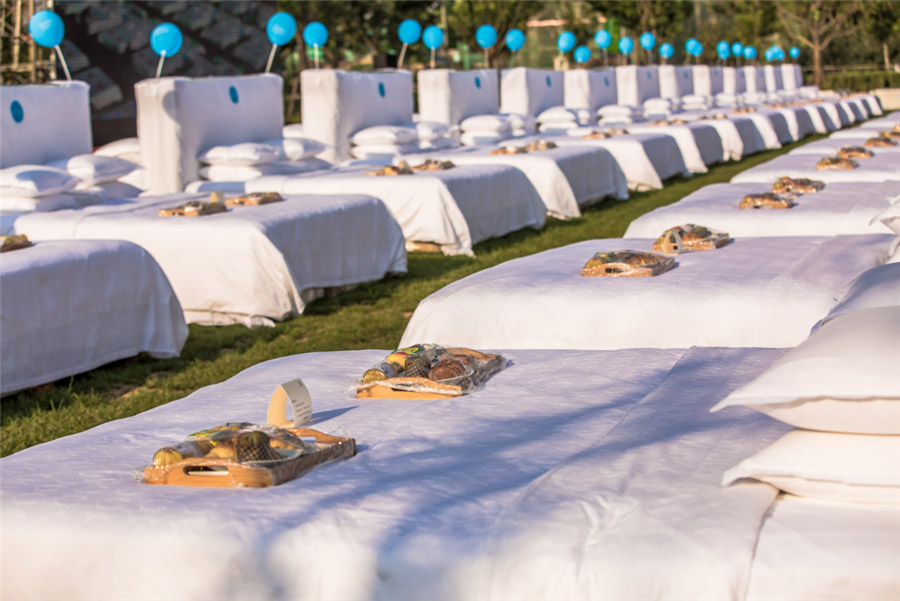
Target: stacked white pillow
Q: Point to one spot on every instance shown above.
(728, 100)
(560, 118)
(434, 136)
(660, 107)
(695, 102)
(619, 113)
(841, 389)
(384, 142)
(36, 188)
(521, 124)
(485, 129)
(249, 160)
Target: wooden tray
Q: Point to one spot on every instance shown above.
(194, 210)
(227, 473)
(624, 269)
(14, 242)
(257, 198)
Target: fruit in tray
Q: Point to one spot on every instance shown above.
(880, 142)
(689, 237)
(13, 242)
(626, 264)
(238, 442)
(194, 208)
(836, 164)
(509, 149)
(802, 185)
(854, 152)
(766, 200)
(256, 198)
(401, 168)
(539, 145)
(434, 165)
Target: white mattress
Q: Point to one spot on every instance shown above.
(867, 129)
(752, 292)
(840, 208)
(881, 167)
(699, 143)
(830, 146)
(756, 131)
(70, 306)
(455, 208)
(252, 264)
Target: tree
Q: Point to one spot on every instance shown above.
(882, 22)
(664, 19)
(466, 16)
(817, 23)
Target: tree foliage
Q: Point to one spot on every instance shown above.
(466, 16)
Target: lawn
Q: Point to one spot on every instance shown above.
(369, 316)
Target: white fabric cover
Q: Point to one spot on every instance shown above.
(877, 287)
(830, 146)
(840, 208)
(486, 123)
(791, 77)
(689, 140)
(853, 468)
(124, 148)
(617, 113)
(844, 378)
(243, 154)
(590, 88)
(755, 79)
(293, 130)
(529, 91)
(636, 84)
(566, 115)
(71, 306)
(753, 292)
(178, 118)
(35, 180)
(708, 80)
(237, 173)
(336, 104)
(890, 216)
(94, 168)
(879, 168)
(602, 483)
(54, 122)
(774, 81)
(482, 138)
(385, 151)
(251, 264)
(733, 81)
(297, 148)
(448, 96)
(427, 131)
(521, 125)
(384, 134)
(675, 81)
(48, 202)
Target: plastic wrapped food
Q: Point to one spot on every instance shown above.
(854, 152)
(689, 238)
(256, 198)
(539, 145)
(767, 200)
(626, 264)
(429, 371)
(880, 142)
(836, 163)
(892, 134)
(744, 109)
(14, 242)
(433, 165)
(787, 185)
(401, 168)
(244, 454)
(509, 149)
(194, 208)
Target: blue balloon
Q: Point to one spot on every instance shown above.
(689, 45)
(723, 50)
(603, 39)
(749, 52)
(626, 45)
(514, 39)
(666, 50)
(410, 31)
(281, 28)
(486, 36)
(697, 48)
(315, 34)
(433, 37)
(566, 41)
(648, 41)
(794, 52)
(46, 28)
(737, 49)
(165, 39)
(582, 54)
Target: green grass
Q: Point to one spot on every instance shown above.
(369, 316)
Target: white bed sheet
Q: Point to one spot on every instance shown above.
(756, 131)
(698, 142)
(866, 130)
(573, 474)
(830, 146)
(455, 208)
(752, 292)
(881, 167)
(840, 208)
(251, 264)
(70, 306)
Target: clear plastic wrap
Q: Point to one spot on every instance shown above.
(509, 149)
(802, 185)
(398, 168)
(854, 152)
(880, 142)
(836, 164)
(429, 371)
(689, 238)
(626, 264)
(256, 198)
(433, 165)
(14, 242)
(767, 200)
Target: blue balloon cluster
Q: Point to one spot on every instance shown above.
(566, 41)
(626, 45)
(165, 39)
(486, 36)
(409, 31)
(774, 53)
(666, 50)
(648, 40)
(582, 54)
(315, 34)
(737, 49)
(46, 28)
(723, 50)
(693, 47)
(603, 39)
(281, 28)
(433, 36)
(514, 39)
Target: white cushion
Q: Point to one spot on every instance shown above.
(844, 378)
(244, 154)
(243, 173)
(50, 202)
(561, 114)
(890, 217)
(438, 144)
(478, 138)
(380, 135)
(856, 468)
(618, 110)
(497, 124)
(382, 151)
(94, 168)
(431, 130)
(296, 149)
(877, 287)
(35, 180)
(521, 125)
(120, 148)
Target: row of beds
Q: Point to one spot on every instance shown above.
(590, 467)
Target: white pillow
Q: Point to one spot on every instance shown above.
(380, 135)
(382, 151)
(244, 154)
(35, 180)
(438, 144)
(478, 138)
(520, 124)
(50, 202)
(856, 468)
(496, 124)
(297, 149)
(844, 378)
(120, 148)
(558, 127)
(239, 173)
(95, 168)
(293, 130)
(617, 110)
(877, 287)
(890, 217)
(561, 114)
(432, 130)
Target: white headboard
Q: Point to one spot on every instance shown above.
(448, 96)
(755, 79)
(180, 117)
(337, 104)
(733, 80)
(703, 84)
(44, 123)
(791, 76)
(530, 91)
(637, 84)
(675, 81)
(773, 78)
(590, 88)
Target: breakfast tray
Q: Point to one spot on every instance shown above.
(194, 208)
(257, 198)
(690, 238)
(767, 200)
(229, 473)
(14, 242)
(627, 264)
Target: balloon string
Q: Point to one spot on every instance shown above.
(486, 65)
(271, 58)
(159, 65)
(402, 56)
(432, 58)
(62, 59)
(317, 56)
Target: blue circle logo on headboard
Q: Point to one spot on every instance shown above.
(549, 83)
(649, 76)
(685, 74)
(17, 112)
(381, 89)
(477, 82)
(233, 94)
(606, 81)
